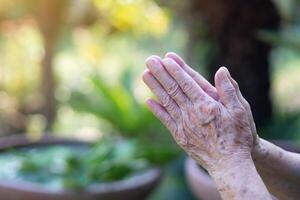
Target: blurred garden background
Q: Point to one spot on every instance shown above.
(72, 68)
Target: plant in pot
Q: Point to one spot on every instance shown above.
(123, 164)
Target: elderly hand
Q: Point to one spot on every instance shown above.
(212, 124)
(211, 90)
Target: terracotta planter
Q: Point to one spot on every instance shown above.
(135, 188)
(202, 185)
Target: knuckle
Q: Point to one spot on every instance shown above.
(229, 90)
(166, 101)
(171, 107)
(209, 108)
(175, 114)
(214, 109)
(154, 85)
(187, 85)
(175, 71)
(173, 90)
(182, 142)
(169, 124)
(181, 138)
(197, 97)
(156, 70)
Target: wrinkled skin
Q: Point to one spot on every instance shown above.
(212, 124)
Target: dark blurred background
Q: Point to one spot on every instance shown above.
(52, 50)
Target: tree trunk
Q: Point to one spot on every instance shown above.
(49, 17)
(231, 27)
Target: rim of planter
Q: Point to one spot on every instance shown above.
(149, 176)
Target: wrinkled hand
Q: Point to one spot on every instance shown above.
(212, 124)
(211, 90)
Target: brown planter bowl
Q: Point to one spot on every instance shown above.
(136, 188)
(202, 185)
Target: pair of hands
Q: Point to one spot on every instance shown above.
(213, 124)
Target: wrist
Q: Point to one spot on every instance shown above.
(269, 156)
(257, 149)
(261, 151)
(231, 181)
(231, 163)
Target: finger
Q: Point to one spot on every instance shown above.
(161, 113)
(200, 80)
(176, 58)
(164, 78)
(226, 90)
(243, 101)
(162, 95)
(238, 92)
(186, 83)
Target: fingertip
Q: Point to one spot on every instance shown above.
(159, 59)
(223, 69)
(151, 60)
(222, 81)
(226, 88)
(146, 73)
(171, 55)
(217, 77)
(176, 58)
(221, 74)
(148, 60)
(151, 104)
(227, 71)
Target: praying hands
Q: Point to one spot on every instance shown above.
(214, 125)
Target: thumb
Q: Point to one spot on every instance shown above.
(226, 90)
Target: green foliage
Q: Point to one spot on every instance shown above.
(288, 38)
(110, 159)
(283, 126)
(130, 118)
(118, 105)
